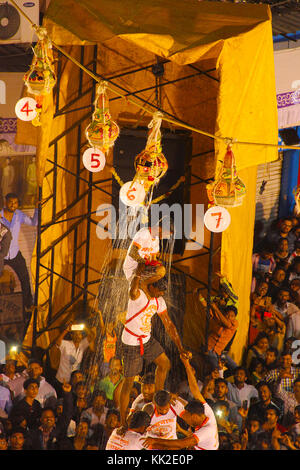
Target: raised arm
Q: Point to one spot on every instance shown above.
(172, 332)
(169, 444)
(101, 322)
(33, 221)
(61, 336)
(217, 314)
(134, 253)
(134, 291)
(192, 380)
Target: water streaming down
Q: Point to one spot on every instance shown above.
(113, 297)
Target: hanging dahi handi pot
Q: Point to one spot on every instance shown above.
(102, 131)
(228, 189)
(150, 166)
(41, 78)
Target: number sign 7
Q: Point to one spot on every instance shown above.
(217, 219)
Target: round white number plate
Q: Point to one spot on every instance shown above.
(217, 219)
(93, 160)
(25, 109)
(132, 194)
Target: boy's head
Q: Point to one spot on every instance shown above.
(76, 336)
(286, 360)
(295, 266)
(297, 414)
(221, 410)
(76, 376)
(230, 312)
(221, 388)
(262, 342)
(81, 390)
(17, 438)
(112, 419)
(162, 400)
(240, 375)
(264, 392)
(47, 418)
(148, 386)
(115, 365)
(262, 288)
(35, 368)
(99, 400)
(283, 244)
(3, 442)
(279, 275)
(194, 414)
(31, 387)
(271, 356)
(254, 424)
(12, 202)
(296, 386)
(286, 225)
(139, 421)
(82, 428)
(271, 415)
(295, 284)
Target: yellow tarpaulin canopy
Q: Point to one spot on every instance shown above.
(238, 39)
(177, 29)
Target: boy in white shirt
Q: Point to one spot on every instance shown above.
(131, 440)
(164, 417)
(145, 300)
(144, 249)
(199, 415)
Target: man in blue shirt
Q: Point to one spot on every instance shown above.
(13, 218)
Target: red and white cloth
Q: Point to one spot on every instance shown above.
(147, 244)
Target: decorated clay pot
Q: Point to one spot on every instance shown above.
(150, 165)
(229, 190)
(102, 132)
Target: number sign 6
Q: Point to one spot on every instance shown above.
(132, 194)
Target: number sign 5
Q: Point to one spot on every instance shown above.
(93, 160)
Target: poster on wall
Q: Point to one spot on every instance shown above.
(287, 73)
(17, 176)
(17, 167)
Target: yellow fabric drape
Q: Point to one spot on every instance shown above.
(247, 112)
(247, 107)
(236, 257)
(38, 136)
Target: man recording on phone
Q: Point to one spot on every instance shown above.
(71, 352)
(239, 391)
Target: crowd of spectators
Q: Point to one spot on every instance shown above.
(256, 403)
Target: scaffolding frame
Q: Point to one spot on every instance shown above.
(96, 185)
